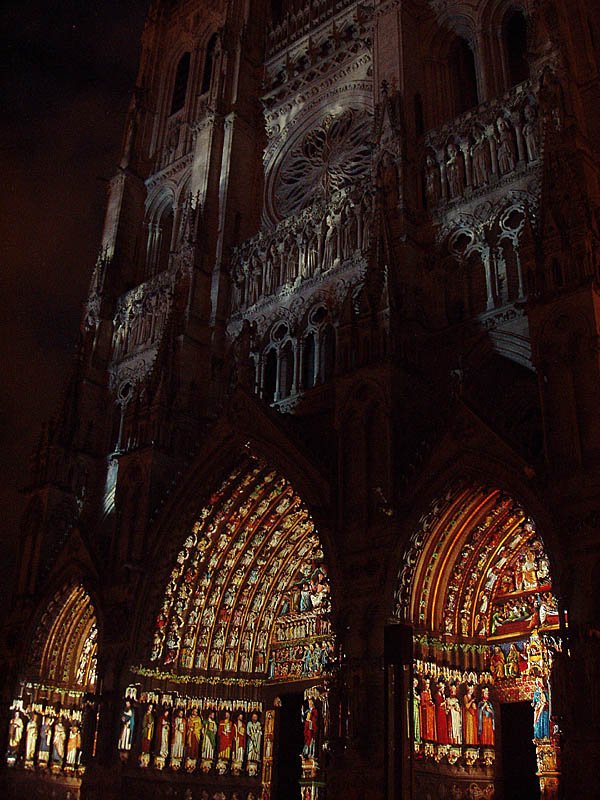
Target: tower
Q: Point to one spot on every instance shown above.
(332, 421)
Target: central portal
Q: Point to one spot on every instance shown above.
(232, 692)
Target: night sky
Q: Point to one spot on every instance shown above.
(66, 73)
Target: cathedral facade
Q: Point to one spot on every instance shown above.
(319, 515)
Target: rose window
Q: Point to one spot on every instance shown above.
(329, 158)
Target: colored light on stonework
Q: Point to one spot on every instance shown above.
(251, 565)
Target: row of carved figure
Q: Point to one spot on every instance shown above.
(45, 739)
(301, 660)
(485, 152)
(463, 713)
(316, 240)
(225, 741)
(141, 316)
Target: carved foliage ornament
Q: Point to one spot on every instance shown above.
(330, 157)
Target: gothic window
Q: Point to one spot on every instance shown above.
(477, 285)
(160, 234)
(463, 73)
(327, 353)
(286, 370)
(208, 63)
(270, 376)
(308, 365)
(181, 82)
(515, 42)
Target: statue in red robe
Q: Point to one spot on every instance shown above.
(441, 720)
(311, 726)
(225, 736)
(427, 715)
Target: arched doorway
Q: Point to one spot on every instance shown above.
(231, 695)
(53, 717)
(475, 588)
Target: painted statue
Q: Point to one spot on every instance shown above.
(485, 718)
(209, 737)
(178, 738)
(45, 741)
(239, 741)
(225, 736)
(31, 739)
(454, 716)
(15, 734)
(441, 722)
(427, 714)
(254, 737)
(498, 663)
(512, 662)
(127, 725)
(73, 745)
(541, 711)
(416, 704)
(148, 725)
(164, 733)
(194, 733)
(58, 744)
(311, 727)
(470, 717)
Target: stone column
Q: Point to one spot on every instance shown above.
(516, 121)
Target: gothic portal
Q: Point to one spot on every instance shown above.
(318, 515)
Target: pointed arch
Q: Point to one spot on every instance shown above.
(63, 653)
(248, 587)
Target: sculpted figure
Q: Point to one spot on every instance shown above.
(506, 147)
(454, 716)
(531, 133)
(485, 717)
(470, 736)
(311, 726)
(432, 181)
(480, 154)
(454, 171)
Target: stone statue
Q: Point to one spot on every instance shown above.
(432, 181)
(480, 154)
(454, 171)
(531, 133)
(506, 147)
